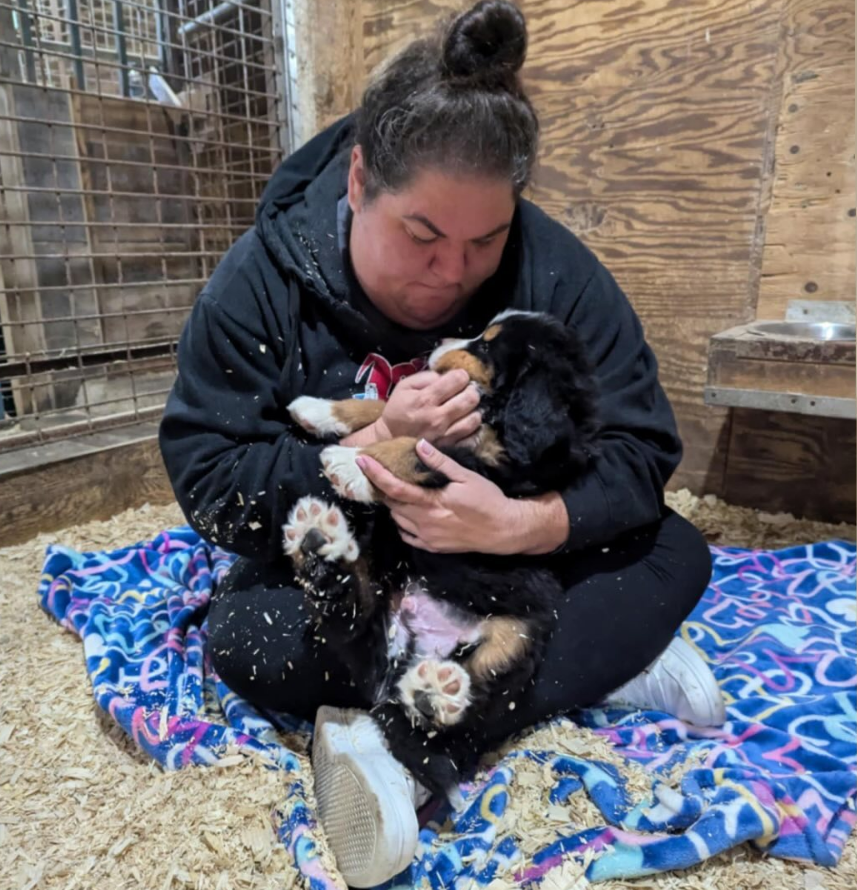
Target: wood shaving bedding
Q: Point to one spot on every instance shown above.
(73, 786)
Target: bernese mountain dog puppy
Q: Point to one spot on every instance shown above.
(442, 642)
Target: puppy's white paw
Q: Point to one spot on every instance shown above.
(436, 691)
(327, 528)
(316, 416)
(340, 466)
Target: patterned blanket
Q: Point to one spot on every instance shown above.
(777, 627)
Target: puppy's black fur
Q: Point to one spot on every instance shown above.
(539, 401)
(541, 405)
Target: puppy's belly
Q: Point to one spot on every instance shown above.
(437, 628)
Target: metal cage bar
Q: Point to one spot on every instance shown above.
(108, 129)
(136, 137)
(75, 25)
(124, 70)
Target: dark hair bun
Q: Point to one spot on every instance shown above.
(487, 40)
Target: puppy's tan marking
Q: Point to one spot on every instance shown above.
(492, 332)
(355, 414)
(400, 457)
(459, 358)
(505, 640)
(488, 446)
(368, 600)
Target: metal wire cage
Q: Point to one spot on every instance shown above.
(135, 139)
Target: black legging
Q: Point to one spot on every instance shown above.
(624, 602)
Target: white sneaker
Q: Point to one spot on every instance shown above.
(366, 799)
(678, 682)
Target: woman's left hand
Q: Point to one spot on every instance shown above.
(469, 514)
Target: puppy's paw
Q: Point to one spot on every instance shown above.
(316, 528)
(436, 692)
(340, 467)
(317, 416)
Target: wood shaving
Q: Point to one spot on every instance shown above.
(731, 526)
(81, 808)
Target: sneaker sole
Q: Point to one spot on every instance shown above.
(364, 806)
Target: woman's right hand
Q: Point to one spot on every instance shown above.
(438, 407)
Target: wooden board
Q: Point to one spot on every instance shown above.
(744, 359)
(329, 61)
(810, 227)
(655, 122)
(389, 25)
(797, 464)
(97, 485)
(808, 378)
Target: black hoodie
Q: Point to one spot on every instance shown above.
(283, 316)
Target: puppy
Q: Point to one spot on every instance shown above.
(442, 643)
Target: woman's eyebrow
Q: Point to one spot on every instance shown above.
(418, 217)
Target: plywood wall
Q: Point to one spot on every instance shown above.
(656, 120)
(705, 151)
(810, 205)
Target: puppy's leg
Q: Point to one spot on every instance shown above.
(505, 642)
(328, 563)
(503, 664)
(512, 646)
(398, 455)
(348, 604)
(323, 417)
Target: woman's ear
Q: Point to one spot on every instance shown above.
(356, 179)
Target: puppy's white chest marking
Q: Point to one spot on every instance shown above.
(436, 627)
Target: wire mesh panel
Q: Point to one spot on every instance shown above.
(136, 137)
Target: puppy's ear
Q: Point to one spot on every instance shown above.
(535, 418)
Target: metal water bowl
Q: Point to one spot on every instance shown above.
(805, 330)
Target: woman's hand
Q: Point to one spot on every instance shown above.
(471, 514)
(427, 405)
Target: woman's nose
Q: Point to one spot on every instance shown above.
(449, 263)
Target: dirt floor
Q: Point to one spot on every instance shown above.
(81, 808)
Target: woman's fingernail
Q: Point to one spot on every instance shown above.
(362, 462)
(424, 448)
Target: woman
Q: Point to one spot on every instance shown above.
(389, 231)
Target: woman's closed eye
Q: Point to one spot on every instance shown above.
(478, 242)
(418, 240)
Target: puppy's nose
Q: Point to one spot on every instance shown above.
(422, 701)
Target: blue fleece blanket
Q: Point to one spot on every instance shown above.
(777, 627)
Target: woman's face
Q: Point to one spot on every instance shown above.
(422, 252)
